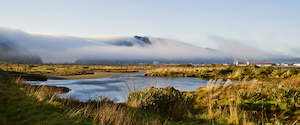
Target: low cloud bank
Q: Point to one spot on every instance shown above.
(68, 49)
(240, 50)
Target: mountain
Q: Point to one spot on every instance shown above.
(10, 53)
(20, 46)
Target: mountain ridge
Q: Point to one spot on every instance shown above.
(139, 49)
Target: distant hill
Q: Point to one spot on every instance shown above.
(22, 47)
(10, 53)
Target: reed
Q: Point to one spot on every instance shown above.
(101, 112)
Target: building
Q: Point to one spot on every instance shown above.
(237, 63)
(263, 64)
(286, 64)
(248, 63)
(225, 64)
(297, 64)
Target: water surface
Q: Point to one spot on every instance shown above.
(117, 87)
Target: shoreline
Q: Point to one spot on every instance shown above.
(93, 76)
(55, 89)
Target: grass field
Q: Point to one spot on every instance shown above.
(237, 73)
(18, 106)
(23, 104)
(270, 100)
(66, 70)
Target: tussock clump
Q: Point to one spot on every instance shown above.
(256, 102)
(168, 102)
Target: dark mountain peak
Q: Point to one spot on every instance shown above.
(145, 39)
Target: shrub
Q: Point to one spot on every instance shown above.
(264, 72)
(276, 73)
(239, 73)
(285, 97)
(290, 72)
(168, 102)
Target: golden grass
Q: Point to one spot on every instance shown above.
(214, 103)
(103, 112)
(217, 103)
(63, 70)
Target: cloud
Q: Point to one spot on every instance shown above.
(294, 51)
(238, 49)
(59, 49)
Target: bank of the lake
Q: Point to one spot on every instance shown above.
(94, 75)
(117, 87)
(237, 73)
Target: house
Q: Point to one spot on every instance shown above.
(225, 64)
(286, 64)
(263, 64)
(242, 64)
(297, 64)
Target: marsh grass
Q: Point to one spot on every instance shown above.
(130, 86)
(24, 104)
(237, 73)
(253, 102)
(167, 102)
(72, 111)
(67, 70)
(101, 111)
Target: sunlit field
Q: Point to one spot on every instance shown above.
(149, 62)
(270, 95)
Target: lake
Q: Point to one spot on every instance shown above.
(117, 87)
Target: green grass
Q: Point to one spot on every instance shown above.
(65, 70)
(162, 101)
(16, 107)
(253, 102)
(23, 104)
(236, 73)
(256, 102)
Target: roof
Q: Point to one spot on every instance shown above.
(263, 63)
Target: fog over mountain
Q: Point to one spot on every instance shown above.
(10, 52)
(70, 49)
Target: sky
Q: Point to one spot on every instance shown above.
(271, 25)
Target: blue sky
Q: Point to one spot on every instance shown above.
(272, 25)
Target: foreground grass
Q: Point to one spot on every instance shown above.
(25, 104)
(256, 102)
(17, 107)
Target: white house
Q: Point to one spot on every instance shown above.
(297, 64)
(264, 64)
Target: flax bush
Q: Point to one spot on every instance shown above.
(168, 102)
